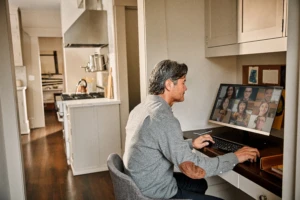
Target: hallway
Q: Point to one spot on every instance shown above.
(47, 174)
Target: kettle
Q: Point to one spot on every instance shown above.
(81, 86)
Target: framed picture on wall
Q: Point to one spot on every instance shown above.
(262, 74)
(253, 75)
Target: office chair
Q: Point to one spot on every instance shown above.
(124, 187)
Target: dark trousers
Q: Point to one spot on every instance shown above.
(191, 188)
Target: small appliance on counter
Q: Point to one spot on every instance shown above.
(81, 86)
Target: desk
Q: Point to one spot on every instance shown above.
(248, 176)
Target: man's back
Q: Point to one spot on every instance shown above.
(143, 160)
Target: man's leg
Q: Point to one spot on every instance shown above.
(191, 188)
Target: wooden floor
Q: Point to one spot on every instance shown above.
(47, 174)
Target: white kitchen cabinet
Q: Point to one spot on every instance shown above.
(260, 20)
(261, 27)
(22, 108)
(221, 22)
(94, 134)
(16, 37)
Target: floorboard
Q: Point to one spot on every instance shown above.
(47, 174)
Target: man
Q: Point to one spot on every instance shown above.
(268, 94)
(154, 143)
(247, 94)
(259, 122)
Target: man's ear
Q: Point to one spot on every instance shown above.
(169, 84)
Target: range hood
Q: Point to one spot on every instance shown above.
(89, 30)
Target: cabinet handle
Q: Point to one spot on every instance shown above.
(263, 197)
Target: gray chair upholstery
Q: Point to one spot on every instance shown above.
(124, 187)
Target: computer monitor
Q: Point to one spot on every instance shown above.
(246, 107)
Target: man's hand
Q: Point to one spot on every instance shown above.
(199, 142)
(247, 154)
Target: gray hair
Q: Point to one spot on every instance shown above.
(164, 70)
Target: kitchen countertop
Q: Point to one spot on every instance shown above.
(91, 102)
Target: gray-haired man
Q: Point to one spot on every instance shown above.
(154, 143)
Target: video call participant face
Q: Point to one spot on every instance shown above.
(268, 94)
(247, 93)
(229, 91)
(225, 104)
(263, 109)
(242, 107)
(260, 122)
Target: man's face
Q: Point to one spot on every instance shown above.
(178, 90)
(268, 94)
(247, 93)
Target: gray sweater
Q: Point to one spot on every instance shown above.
(154, 144)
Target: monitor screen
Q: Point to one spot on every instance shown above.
(246, 107)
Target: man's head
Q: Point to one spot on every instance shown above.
(260, 122)
(268, 94)
(169, 76)
(247, 93)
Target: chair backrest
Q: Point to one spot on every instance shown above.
(124, 187)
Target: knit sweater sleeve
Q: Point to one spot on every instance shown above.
(177, 150)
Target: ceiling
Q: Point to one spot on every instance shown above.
(36, 4)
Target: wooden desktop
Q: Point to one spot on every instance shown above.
(267, 146)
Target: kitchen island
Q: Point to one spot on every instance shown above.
(91, 133)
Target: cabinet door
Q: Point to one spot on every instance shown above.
(260, 20)
(85, 139)
(220, 22)
(109, 131)
(254, 190)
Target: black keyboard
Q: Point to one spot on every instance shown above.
(225, 145)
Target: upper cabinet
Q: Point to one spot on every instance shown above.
(16, 37)
(260, 20)
(239, 27)
(221, 22)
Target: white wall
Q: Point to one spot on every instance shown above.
(74, 58)
(69, 13)
(35, 24)
(4, 184)
(174, 29)
(11, 175)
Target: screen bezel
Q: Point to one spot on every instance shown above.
(236, 126)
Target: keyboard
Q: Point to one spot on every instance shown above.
(225, 145)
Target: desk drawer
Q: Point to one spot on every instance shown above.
(255, 190)
(231, 177)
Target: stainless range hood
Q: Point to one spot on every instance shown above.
(89, 30)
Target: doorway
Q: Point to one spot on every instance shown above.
(132, 47)
(52, 70)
